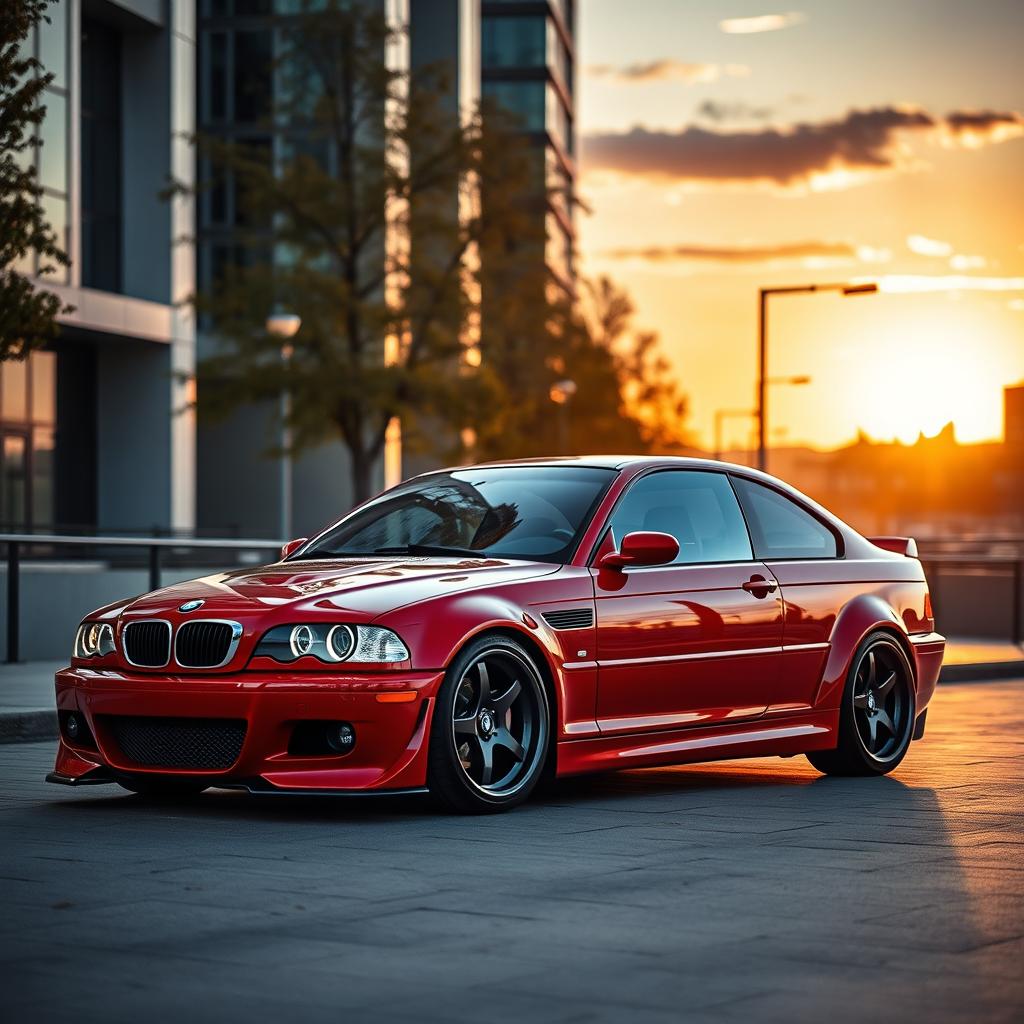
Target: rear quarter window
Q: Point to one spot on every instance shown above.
(779, 527)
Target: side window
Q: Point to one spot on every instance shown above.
(780, 527)
(698, 508)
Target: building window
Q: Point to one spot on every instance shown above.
(28, 399)
(514, 42)
(49, 44)
(101, 157)
(523, 99)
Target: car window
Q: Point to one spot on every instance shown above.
(780, 527)
(698, 508)
(528, 512)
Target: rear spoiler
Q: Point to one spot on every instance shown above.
(900, 545)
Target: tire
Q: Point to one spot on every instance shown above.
(161, 787)
(489, 734)
(877, 714)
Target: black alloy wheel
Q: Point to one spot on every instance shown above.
(876, 719)
(490, 730)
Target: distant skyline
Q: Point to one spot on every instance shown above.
(726, 146)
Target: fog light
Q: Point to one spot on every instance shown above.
(341, 737)
(73, 726)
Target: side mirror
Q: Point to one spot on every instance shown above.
(292, 545)
(642, 548)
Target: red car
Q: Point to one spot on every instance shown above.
(473, 630)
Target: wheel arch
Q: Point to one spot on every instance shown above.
(858, 618)
(548, 674)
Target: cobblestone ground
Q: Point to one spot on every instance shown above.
(752, 890)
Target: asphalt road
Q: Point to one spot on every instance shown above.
(751, 890)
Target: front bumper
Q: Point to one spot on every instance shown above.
(390, 752)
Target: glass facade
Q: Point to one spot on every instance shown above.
(527, 64)
(101, 157)
(49, 44)
(236, 75)
(28, 401)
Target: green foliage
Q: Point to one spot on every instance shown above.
(27, 312)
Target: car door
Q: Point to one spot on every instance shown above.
(802, 552)
(696, 641)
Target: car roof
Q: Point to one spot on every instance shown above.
(606, 462)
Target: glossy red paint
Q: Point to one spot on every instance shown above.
(679, 662)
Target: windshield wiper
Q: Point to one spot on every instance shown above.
(427, 549)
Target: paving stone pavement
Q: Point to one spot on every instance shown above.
(739, 891)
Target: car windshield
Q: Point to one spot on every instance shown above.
(528, 512)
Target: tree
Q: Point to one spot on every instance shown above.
(626, 399)
(649, 389)
(374, 162)
(28, 313)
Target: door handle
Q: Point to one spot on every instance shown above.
(759, 586)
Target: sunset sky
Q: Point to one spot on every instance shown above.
(730, 145)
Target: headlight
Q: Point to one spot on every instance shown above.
(94, 640)
(332, 643)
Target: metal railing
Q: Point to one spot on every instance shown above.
(154, 547)
(940, 569)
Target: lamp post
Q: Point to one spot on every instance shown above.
(285, 326)
(561, 394)
(844, 288)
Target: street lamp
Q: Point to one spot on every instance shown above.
(285, 326)
(561, 393)
(844, 288)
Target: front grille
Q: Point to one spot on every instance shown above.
(147, 643)
(201, 744)
(570, 618)
(204, 644)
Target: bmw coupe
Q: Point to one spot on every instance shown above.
(472, 631)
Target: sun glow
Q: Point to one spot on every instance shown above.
(926, 380)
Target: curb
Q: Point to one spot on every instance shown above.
(982, 672)
(27, 726)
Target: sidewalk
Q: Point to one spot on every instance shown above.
(26, 691)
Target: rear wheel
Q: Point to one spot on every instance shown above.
(876, 719)
(161, 787)
(490, 729)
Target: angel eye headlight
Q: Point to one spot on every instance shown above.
(332, 643)
(340, 643)
(301, 640)
(94, 640)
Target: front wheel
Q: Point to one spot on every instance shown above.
(489, 735)
(876, 719)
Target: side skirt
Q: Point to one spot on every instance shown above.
(816, 730)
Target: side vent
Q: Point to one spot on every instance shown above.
(570, 618)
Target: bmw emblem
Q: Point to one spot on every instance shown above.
(190, 606)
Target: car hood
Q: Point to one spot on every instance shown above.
(365, 587)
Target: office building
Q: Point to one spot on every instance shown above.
(93, 438)
(528, 60)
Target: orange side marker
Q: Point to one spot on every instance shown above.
(396, 697)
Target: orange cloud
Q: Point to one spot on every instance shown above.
(667, 69)
(761, 23)
(842, 151)
(741, 253)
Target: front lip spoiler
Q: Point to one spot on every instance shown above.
(98, 776)
(260, 787)
(102, 775)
